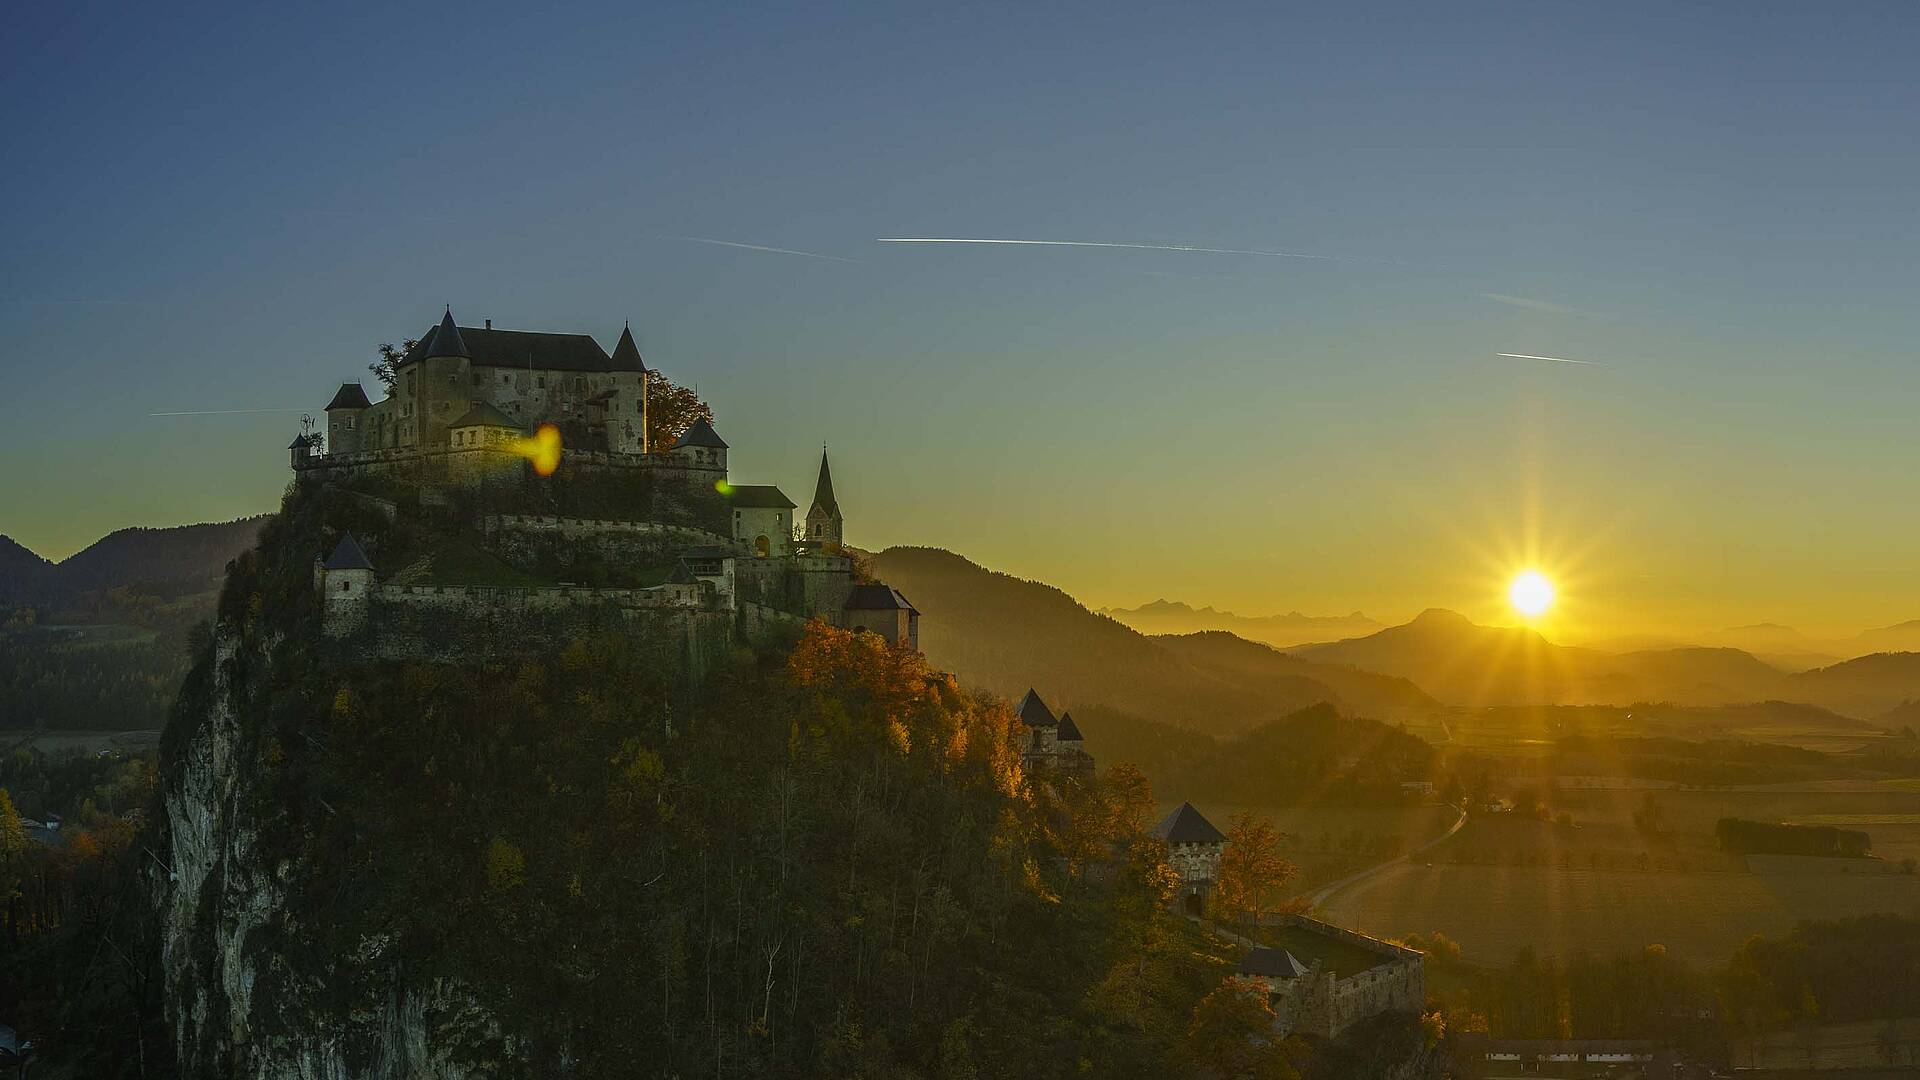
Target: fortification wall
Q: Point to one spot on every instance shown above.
(806, 585)
(456, 624)
(1326, 1005)
(553, 546)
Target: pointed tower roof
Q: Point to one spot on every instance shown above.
(444, 340)
(351, 395)
(701, 434)
(347, 555)
(300, 441)
(1069, 731)
(823, 500)
(1033, 712)
(626, 355)
(1272, 963)
(1188, 826)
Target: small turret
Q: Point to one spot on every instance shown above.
(344, 415)
(702, 447)
(302, 449)
(346, 586)
(824, 523)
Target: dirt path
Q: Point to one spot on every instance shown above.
(1326, 892)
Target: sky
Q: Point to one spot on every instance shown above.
(214, 208)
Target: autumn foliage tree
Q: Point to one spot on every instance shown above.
(1252, 870)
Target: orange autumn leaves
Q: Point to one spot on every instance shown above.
(865, 687)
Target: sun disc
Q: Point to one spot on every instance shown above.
(1531, 593)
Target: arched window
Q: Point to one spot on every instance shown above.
(761, 546)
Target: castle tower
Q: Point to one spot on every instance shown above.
(346, 433)
(346, 587)
(1194, 848)
(436, 385)
(627, 417)
(824, 524)
(701, 447)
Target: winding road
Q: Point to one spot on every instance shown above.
(1319, 898)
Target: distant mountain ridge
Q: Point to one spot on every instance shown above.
(1293, 628)
(1004, 633)
(170, 556)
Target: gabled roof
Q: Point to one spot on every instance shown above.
(1069, 731)
(1033, 712)
(350, 396)
(878, 597)
(484, 414)
(515, 349)
(681, 575)
(443, 340)
(1272, 963)
(347, 555)
(757, 497)
(626, 355)
(1188, 826)
(701, 434)
(823, 500)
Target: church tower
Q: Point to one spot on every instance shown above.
(824, 525)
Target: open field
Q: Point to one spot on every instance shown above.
(1493, 911)
(1506, 881)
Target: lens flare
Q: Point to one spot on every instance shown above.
(543, 449)
(1531, 593)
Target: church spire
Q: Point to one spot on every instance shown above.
(824, 524)
(823, 490)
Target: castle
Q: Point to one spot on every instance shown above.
(493, 414)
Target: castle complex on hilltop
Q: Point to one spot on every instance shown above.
(716, 558)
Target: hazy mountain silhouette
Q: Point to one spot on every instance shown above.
(1464, 663)
(1900, 637)
(1293, 628)
(178, 556)
(1866, 686)
(1006, 634)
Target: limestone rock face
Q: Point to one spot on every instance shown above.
(220, 890)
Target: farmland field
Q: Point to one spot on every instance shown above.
(1492, 911)
(1505, 881)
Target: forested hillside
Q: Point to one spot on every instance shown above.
(1007, 634)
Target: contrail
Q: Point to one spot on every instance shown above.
(762, 247)
(1555, 359)
(1107, 244)
(222, 412)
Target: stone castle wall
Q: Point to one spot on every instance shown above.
(1323, 1004)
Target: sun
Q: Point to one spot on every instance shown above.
(1531, 594)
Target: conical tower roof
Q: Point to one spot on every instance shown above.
(701, 434)
(626, 355)
(444, 340)
(823, 500)
(1188, 826)
(1033, 712)
(347, 555)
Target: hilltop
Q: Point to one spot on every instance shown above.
(1005, 633)
(169, 559)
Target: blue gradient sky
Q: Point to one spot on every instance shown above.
(226, 208)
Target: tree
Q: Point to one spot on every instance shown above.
(671, 410)
(1231, 1033)
(1252, 869)
(13, 850)
(389, 359)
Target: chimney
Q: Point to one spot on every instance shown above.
(489, 324)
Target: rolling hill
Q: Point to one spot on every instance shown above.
(185, 556)
(1007, 634)
(1464, 663)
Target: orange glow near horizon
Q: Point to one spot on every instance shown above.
(543, 449)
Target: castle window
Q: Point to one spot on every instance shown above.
(505, 378)
(541, 382)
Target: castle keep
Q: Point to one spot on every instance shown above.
(513, 422)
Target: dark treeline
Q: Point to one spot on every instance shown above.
(1314, 755)
(1774, 838)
